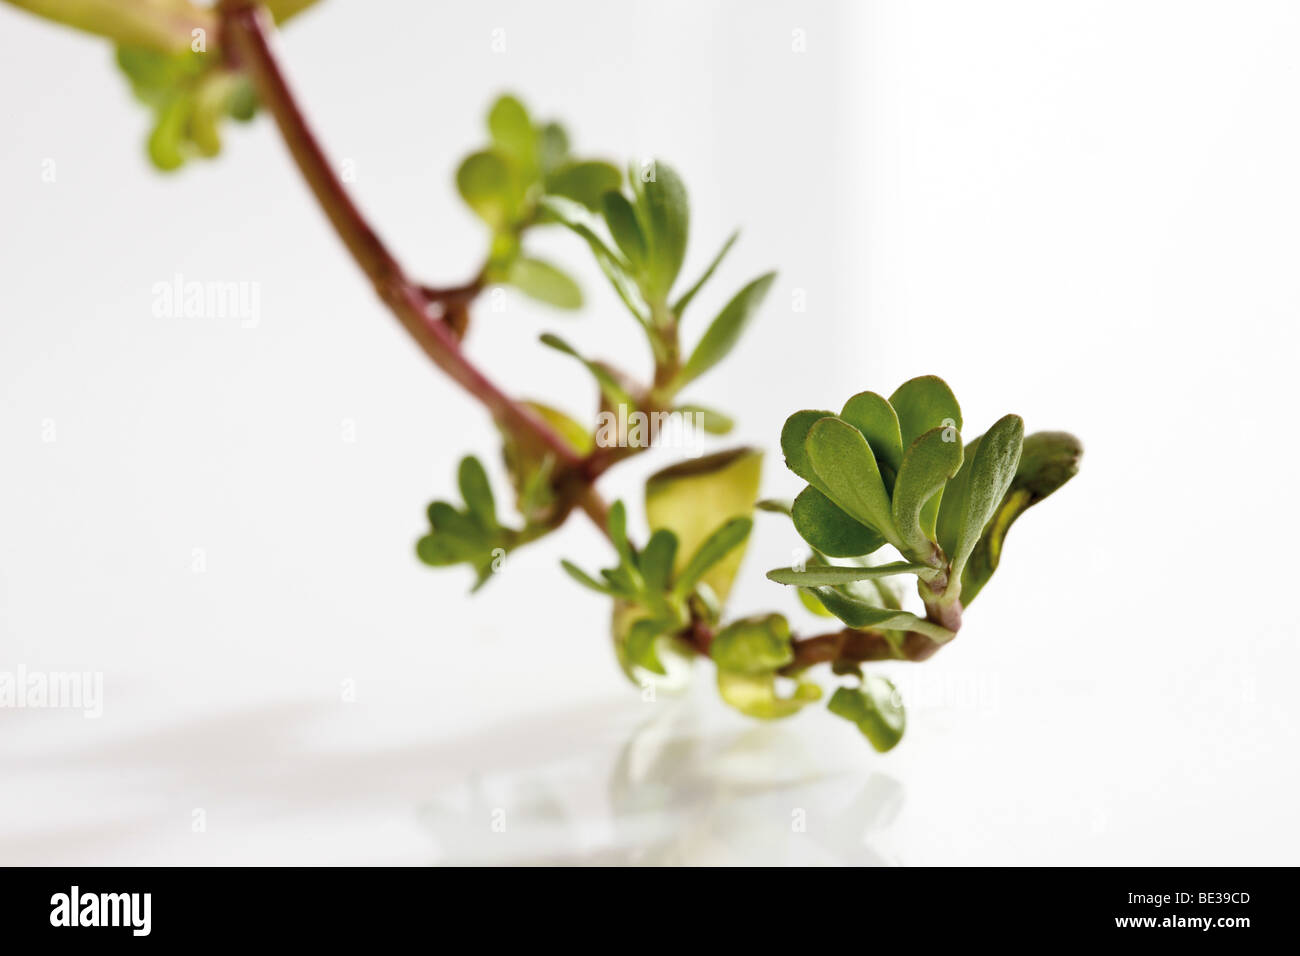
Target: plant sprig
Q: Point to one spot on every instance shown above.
(882, 473)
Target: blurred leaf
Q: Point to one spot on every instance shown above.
(809, 600)
(477, 492)
(531, 465)
(978, 489)
(490, 187)
(680, 306)
(875, 708)
(755, 695)
(641, 645)
(778, 506)
(552, 147)
(585, 579)
(620, 217)
(576, 435)
(1048, 460)
(571, 214)
(928, 464)
(674, 659)
(712, 421)
(165, 27)
(586, 182)
(665, 217)
(166, 142)
(609, 385)
(835, 576)
(657, 560)
(848, 475)
(514, 136)
(695, 497)
(727, 328)
(829, 530)
(711, 551)
(544, 282)
(754, 645)
(617, 528)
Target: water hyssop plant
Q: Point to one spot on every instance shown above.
(893, 490)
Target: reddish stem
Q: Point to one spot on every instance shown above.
(246, 31)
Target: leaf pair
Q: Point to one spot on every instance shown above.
(504, 183)
(190, 94)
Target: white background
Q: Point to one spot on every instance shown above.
(1086, 213)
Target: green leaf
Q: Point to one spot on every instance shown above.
(858, 613)
(848, 474)
(641, 645)
(609, 385)
(552, 147)
(835, 576)
(166, 142)
(872, 415)
(209, 108)
(586, 580)
(477, 492)
(753, 645)
(875, 708)
(544, 282)
(620, 217)
(618, 535)
(665, 217)
(1048, 460)
(727, 328)
(490, 187)
(513, 134)
(779, 506)
(657, 560)
(680, 305)
(809, 600)
(576, 435)
(976, 492)
(612, 264)
(435, 551)
(829, 530)
(924, 403)
(694, 497)
(711, 420)
(794, 442)
(755, 695)
(586, 182)
(928, 464)
(714, 548)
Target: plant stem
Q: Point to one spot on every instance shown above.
(856, 646)
(246, 30)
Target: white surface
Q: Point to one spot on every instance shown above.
(1085, 213)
